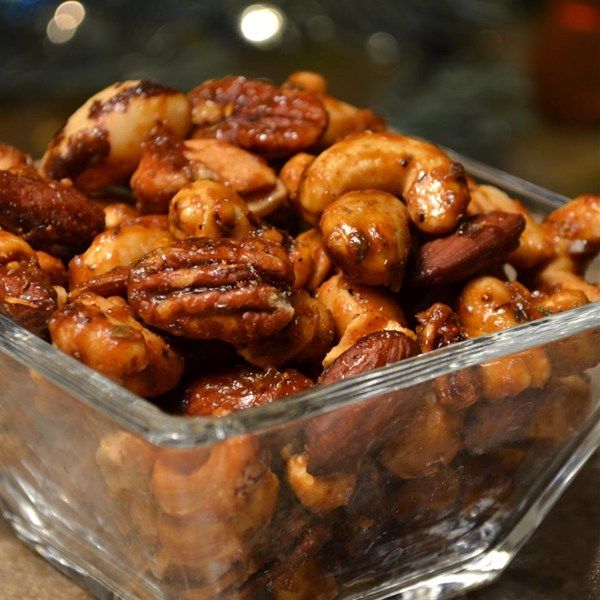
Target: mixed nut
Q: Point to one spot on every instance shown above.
(245, 242)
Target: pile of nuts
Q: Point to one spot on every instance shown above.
(287, 238)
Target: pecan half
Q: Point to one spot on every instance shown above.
(257, 116)
(47, 213)
(235, 290)
(439, 327)
(239, 389)
(478, 244)
(336, 441)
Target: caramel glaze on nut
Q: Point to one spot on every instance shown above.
(238, 389)
(257, 116)
(47, 213)
(235, 290)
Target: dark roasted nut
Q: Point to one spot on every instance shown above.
(366, 234)
(434, 188)
(428, 441)
(235, 290)
(439, 327)
(257, 116)
(479, 243)
(208, 208)
(238, 389)
(336, 442)
(47, 213)
(163, 170)
(26, 295)
(103, 334)
(304, 341)
(101, 143)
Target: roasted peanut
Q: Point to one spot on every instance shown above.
(535, 245)
(303, 341)
(101, 143)
(235, 290)
(480, 243)
(122, 246)
(47, 213)
(366, 234)
(209, 209)
(311, 263)
(238, 389)
(487, 305)
(257, 116)
(103, 334)
(439, 327)
(433, 187)
(428, 441)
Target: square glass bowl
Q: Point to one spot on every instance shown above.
(135, 503)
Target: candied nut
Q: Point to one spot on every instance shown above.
(427, 500)
(208, 208)
(320, 494)
(578, 223)
(53, 267)
(311, 263)
(434, 188)
(111, 283)
(427, 442)
(101, 143)
(16, 161)
(162, 171)
(47, 213)
(535, 244)
(263, 204)
(366, 234)
(103, 334)
(257, 116)
(337, 441)
(303, 341)
(308, 81)
(118, 213)
(240, 170)
(347, 301)
(487, 305)
(480, 243)
(292, 171)
(307, 581)
(489, 425)
(439, 327)
(13, 248)
(238, 389)
(120, 247)
(235, 290)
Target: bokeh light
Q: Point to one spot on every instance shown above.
(262, 24)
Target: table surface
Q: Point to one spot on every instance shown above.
(560, 562)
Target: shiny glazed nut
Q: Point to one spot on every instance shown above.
(303, 341)
(103, 334)
(480, 243)
(240, 170)
(439, 327)
(14, 160)
(119, 247)
(428, 441)
(162, 171)
(257, 116)
(311, 263)
(308, 81)
(337, 441)
(235, 290)
(433, 187)
(118, 213)
(292, 171)
(209, 209)
(487, 305)
(366, 234)
(15, 248)
(51, 266)
(535, 245)
(101, 143)
(238, 389)
(111, 283)
(47, 213)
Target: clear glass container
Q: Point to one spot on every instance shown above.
(136, 503)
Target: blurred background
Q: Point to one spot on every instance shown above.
(514, 83)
